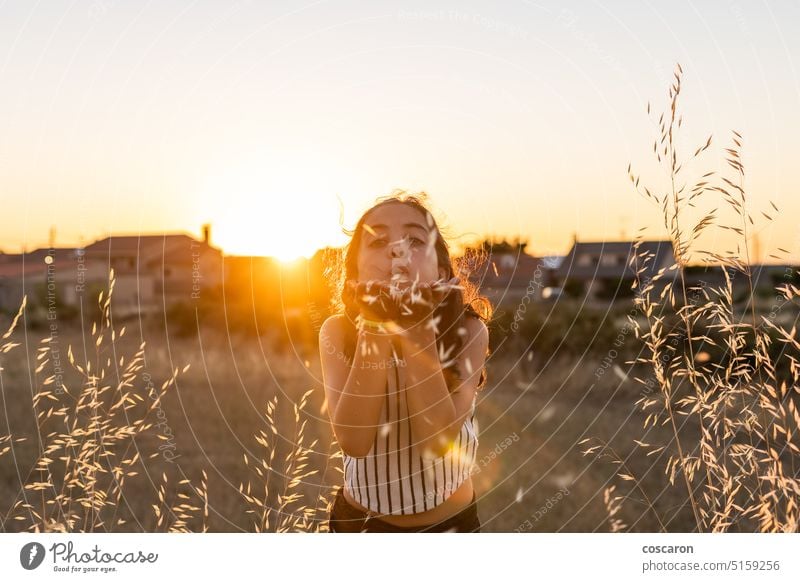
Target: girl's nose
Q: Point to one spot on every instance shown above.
(400, 250)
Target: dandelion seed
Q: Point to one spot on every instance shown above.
(385, 428)
(620, 373)
(433, 324)
(563, 481)
(445, 354)
(519, 495)
(369, 299)
(546, 413)
(530, 355)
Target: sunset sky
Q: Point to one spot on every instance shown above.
(518, 118)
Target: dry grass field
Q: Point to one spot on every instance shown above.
(217, 417)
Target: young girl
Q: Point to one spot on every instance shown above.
(401, 364)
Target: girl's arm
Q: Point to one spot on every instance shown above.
(356, 392)
(436, 415)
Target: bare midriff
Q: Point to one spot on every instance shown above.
(458, 501)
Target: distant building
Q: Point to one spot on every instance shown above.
(156, 271)
(604, 271)
(22, 274)
(509, 274)
(151, 272)
(766, 280)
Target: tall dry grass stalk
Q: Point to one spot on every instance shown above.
(88, 454)
(735, 426)
(87, 449)
(283, 509)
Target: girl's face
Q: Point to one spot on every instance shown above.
(400, 232)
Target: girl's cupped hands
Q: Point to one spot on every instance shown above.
(406, 303)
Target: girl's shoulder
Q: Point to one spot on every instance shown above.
(475, 325)
(333, 327)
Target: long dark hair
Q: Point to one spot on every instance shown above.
(454, 310)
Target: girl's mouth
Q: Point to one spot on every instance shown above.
(399, 275)
(399, 268)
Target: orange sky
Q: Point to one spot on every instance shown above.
(517, 120)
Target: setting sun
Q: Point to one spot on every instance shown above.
(277, 211)
(250, 234)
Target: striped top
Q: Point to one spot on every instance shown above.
(394, 478)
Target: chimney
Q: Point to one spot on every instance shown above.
(207, 234)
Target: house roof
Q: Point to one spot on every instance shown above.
(138, 243)
(583, 260)
(18, 265)
(148, 249)
(506, 270)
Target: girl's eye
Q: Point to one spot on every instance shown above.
(379, 242)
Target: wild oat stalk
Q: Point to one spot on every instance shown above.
(613, 505)
(87, 436)
(740, 471)
(285, 512)
(181, 512)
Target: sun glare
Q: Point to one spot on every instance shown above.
(282, 214)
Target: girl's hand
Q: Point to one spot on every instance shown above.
(418, 302)
(372, 299)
